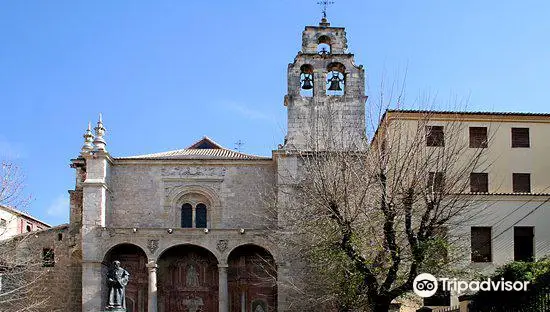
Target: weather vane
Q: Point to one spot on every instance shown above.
(324, 4)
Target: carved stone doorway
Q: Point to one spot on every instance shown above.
(187, 280)
(133, 259)
(252, 279)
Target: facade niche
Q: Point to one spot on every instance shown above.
(336, 79)
(306, 80)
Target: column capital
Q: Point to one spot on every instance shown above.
(223, 266)
(152, 264)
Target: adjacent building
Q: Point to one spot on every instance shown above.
(14, 222)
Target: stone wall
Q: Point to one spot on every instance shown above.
(55, 287)
(150, 194)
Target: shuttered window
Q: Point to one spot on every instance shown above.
(435, 136)
(479, 182)
(436, 181)
(521, 182)
(48, 257)
(478, 137)
(520, 137)
(524, 243)
(481, 244)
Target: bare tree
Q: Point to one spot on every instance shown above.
(12, 185)
(365, 219)
(20, 271)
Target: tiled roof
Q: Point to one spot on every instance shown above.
(205, 148)
(466, 112)
(23, 214)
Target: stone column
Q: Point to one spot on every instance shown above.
(152, 294)
(92, 280)
(222, 288)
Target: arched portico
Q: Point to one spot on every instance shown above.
(134, 260)
(252, 279)
(188, 279)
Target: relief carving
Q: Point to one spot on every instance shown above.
(222, 245)
(193, 171)
(153, 245)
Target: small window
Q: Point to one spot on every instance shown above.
(520, 137)
(59, 236)
(29, 227)
(435, 136)
(478, 137)
(524, 243)
(3, 223)
(479, 182)
(48, 257)
(200, 216)
(481, 244)
(187, 216)
(521, 182)
(436, 181)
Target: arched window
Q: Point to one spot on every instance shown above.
(336, 79)
(306, 80)
(200, 216)
(187, 216)
(323, 47)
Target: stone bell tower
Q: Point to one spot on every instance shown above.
(326, 93)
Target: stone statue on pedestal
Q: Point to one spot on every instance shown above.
(117, 279)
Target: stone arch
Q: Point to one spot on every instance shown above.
(307, 81)
(113, 244)
(256, 244)
(187, 279)
(177, 197)
(252, 279)
(336, 78)
(133, 259)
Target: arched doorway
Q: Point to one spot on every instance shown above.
(133, 259)
(187, 280)
(252, 280)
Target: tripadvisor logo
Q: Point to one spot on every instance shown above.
(426, 285)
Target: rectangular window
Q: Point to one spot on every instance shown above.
(48, 257)
(481, 244)
(435, 136)
(521, 182)
(520, 137)
(436, 181)
(524, 243)
(479, 182)
(3, 223)
(478, 137)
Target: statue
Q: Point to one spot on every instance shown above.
(192, 279)
(117, 279)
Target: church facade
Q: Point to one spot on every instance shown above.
(192, 226)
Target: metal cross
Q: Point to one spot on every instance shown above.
(238, 145)
(325, 4)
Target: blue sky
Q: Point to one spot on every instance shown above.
(165, 73)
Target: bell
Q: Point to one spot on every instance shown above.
(335, 84)
(306, 85)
